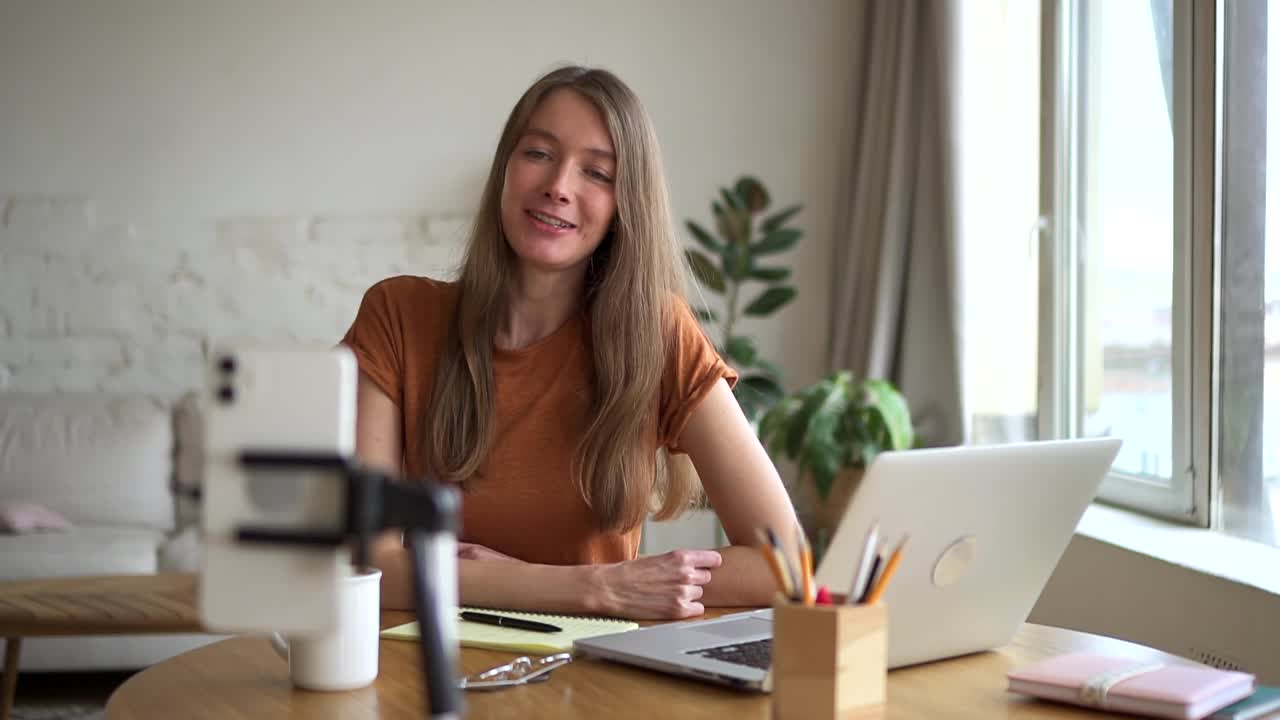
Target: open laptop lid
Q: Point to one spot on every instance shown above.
(987, 527)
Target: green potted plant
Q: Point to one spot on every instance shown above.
(728, 263)
(832, 430)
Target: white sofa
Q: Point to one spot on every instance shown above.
(109, 464)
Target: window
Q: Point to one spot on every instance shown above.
(1122, 215)
(1150, 307)
(1122, 228)
(1159, 315)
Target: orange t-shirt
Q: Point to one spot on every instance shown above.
(524, 502)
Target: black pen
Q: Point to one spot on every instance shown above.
(504, 621)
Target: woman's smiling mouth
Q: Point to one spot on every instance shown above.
(550, 222)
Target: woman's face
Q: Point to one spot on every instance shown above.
(558, 196)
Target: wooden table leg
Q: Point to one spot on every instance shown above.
(12, 648)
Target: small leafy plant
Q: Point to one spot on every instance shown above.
(728, 263)
(837, 423)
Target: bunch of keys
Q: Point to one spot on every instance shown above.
(517, 672)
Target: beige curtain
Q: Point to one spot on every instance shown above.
(895, 290)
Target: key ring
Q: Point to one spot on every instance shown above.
(519, 671)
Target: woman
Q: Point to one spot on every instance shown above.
(561, 379)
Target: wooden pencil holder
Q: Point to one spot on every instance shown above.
(829, 661)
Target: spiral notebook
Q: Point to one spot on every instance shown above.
(491, 637)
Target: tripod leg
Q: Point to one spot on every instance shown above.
(434, 557)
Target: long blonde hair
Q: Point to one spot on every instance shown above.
(634, 284)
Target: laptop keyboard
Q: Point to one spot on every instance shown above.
(756, 654)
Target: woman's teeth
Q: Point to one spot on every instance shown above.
(550, 220)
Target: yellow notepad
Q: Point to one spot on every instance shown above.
(492, 637)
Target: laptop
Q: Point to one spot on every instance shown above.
(988, 525)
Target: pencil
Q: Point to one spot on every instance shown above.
(887, 575)
(774, 558)
(877, 565)
(793, 576)
(863, 571)
(806, 566)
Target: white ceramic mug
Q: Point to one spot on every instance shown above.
(346, 657)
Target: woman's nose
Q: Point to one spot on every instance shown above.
(557, 189)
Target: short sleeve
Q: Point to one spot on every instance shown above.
(376, 337)
(693, 369)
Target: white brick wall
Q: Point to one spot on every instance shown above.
(127, 307)
(176, 173)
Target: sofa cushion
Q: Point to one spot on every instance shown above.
(97, 459)
(83, 550)
(24, 516)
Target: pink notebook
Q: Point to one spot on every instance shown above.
(1185, 692)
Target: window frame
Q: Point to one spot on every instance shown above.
(1195, 146)
(1241, 202)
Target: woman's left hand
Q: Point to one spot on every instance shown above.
(475, 551)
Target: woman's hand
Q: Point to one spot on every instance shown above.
(663, 587)
(475, 551)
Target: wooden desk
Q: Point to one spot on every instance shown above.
(243, 678)
(106, 605)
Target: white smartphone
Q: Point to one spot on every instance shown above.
(274, 400)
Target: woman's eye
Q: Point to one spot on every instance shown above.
(535, 154)
(599, 175)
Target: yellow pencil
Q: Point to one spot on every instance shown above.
(774, 559)
(887, 575)
(789, 571)
(806, 567)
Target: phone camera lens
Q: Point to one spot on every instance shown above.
(226, 394)
(227, 364)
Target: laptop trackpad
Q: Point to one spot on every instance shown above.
(738, 629)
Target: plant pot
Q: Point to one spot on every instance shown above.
(820, 517)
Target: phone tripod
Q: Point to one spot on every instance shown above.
(376, 501)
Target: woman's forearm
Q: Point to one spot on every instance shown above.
(742, 580)
(528, 586)
(489, 583)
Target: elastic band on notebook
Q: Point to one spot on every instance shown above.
(1094, 690)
